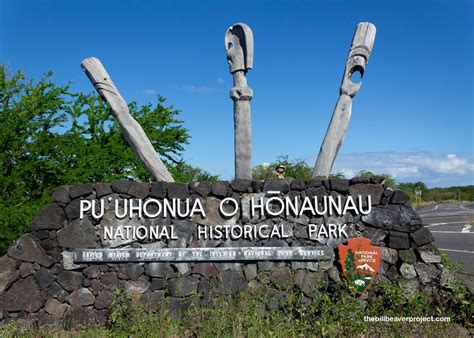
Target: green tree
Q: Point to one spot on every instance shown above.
(184, 172)
(411, 187)
(389, 180)
(296, 168)
(337, 176)
(50, 136)
(95, 138)
(365, 173)
(28, 148)
(293, 168)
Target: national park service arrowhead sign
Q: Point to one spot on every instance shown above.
(360, 262)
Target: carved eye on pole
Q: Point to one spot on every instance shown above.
(239, 47)
(359, 69)
(356, 74)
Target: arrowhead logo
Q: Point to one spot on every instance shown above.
(360, 262)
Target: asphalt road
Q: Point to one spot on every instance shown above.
(452, 226)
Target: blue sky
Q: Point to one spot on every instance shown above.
(413, 117)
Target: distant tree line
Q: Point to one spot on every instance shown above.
(298, 168)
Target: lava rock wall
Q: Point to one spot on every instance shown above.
(39, 281)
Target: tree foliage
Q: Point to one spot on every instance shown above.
(293, 168)
(389, 180)
(51, 136)
(299, 169)
(333, 176)
(183, 172)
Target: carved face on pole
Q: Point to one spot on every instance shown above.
(362, 44)
(239, 47)
(361, 47)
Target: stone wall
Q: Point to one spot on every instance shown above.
(40, 282)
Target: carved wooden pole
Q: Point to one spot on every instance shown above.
(131, 129)
(358, 58)
(239, 48)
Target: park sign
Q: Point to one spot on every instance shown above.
(271, 204)
(359, 260)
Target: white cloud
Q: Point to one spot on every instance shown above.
(433, 169)
(448, 164)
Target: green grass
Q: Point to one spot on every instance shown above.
(254, 313)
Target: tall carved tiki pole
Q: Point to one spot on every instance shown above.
(358, 58)
(239, 50)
